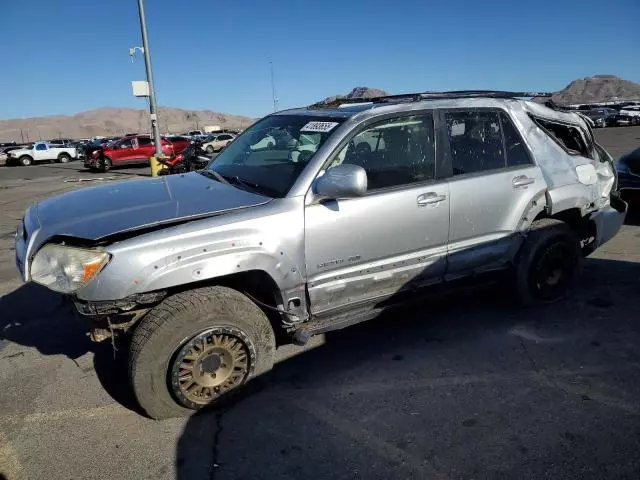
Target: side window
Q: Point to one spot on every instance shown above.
(394, 153)
(224, 137)
(517, 153)
(475, 139)
(128, 143)
(144, 141)
(41, 146)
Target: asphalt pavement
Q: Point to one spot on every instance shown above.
(74, 169)
(462, 387)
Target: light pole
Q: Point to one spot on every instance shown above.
(273, 89)
(147, 65)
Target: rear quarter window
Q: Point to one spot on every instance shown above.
(567, 136)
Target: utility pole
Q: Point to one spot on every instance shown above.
(273, 89)
(152, 94)
(22, 135)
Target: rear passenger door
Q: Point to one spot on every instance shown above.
(493, 180)
(145, 149)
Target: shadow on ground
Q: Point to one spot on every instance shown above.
(460, 387)
(463, 387)
(34, 316)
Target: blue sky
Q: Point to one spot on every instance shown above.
(67, 56)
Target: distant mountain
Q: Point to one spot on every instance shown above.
(358, 92)
(599, 88)
(115, 121)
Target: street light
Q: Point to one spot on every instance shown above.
(147, 64)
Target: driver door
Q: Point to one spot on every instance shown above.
(123, 152)
(360, 251)
(40, 152)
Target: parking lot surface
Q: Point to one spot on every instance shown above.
(466, 386)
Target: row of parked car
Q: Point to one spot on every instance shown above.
(104, 153)
(137, 149)
(628, 115)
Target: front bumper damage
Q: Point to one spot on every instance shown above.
(106, 319)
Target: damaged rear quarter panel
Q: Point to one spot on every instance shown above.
(564, 190)
(266, 238)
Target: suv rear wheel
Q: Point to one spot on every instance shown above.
(197, 347)
(64, 158)
(548, 262)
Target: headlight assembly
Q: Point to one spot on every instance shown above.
(66, 269)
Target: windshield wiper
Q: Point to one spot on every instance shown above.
(246, 184)
(236, 180)
(214, 174)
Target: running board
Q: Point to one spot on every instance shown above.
(317, 326)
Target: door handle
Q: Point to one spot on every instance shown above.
(430, 198)
(522, 180)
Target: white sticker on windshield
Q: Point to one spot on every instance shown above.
(318, 126)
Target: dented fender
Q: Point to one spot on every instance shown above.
(268, 238)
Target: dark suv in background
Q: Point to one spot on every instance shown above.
(603, 117)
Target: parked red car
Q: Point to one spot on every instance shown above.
(131, 150)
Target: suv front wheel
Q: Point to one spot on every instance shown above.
(548, 263)
(197, 347)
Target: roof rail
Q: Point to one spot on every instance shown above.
(430, 95)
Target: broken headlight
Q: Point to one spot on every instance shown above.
(66, 269)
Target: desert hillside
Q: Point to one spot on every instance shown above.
(118, 121)
(599, 88)
(114, 121)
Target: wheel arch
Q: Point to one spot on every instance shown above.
(259, 286)
(584, 227)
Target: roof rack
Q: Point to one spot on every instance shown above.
(416, 97)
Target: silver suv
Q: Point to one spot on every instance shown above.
(317, 218)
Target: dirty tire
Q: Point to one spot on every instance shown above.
(548, 262)
(105, 164)
(210, 149)
(64, 158)
(25, 160)
(177, 320)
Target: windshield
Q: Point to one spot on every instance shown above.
(270, 155)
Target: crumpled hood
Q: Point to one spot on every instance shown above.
(97, 212)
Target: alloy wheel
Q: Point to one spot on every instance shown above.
(209, 365)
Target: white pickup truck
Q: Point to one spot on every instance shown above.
(41, 152)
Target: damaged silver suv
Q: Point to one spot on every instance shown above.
(318, 218)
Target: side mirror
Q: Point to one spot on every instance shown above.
(342, 181)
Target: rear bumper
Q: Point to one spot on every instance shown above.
(609, 221)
